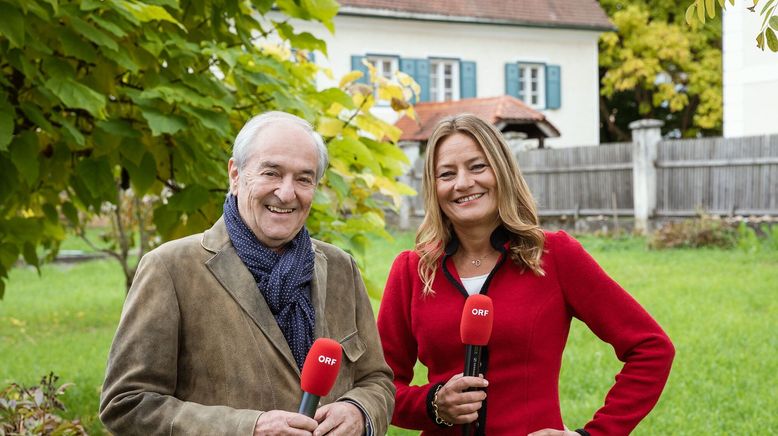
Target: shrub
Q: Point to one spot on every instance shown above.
(33, 410)
(704, 231)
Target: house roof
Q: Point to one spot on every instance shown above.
(585, 14)
(507, 113)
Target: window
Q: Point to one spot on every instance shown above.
(531, 85)
(385, 66)
(444, 80)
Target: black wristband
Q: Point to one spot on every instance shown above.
(582, 432)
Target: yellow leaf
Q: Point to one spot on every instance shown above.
(411, 112)
(701, 11)
(350, 77)
(329, 127)
(711, 8)
(690, 14)
(388, 90)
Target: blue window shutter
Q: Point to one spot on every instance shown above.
(553, 87)
(419, 69)
(356, 65)
(423, 78)
(408, 66)
(512, 79)
(467, 76)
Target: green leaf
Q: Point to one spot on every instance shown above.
(774, 22)
(30, 256)
(7, 117)
(145, 13)
(710, 6)
(12, 25)
(70, 131)
(118, 127)
(50, 212)
(8, 178)
(324, 11)
(334, 95)
(690, 14)
(74, 46)
(303, 40)
(213, 120)
(166, 219)
(97, 177)
(760, 40)
(34, 114)
(24, 154)
(189, 199)
(144, 175)
(766, 6)
(701, 11)
(70, 212)
(772, 41)
(108, 25)
(160, 123)
(353, 152)
(93, 34)
(77, 95)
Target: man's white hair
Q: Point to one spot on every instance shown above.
(244, 142)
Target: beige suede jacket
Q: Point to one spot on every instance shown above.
(198, 352)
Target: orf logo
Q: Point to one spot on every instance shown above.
(480, 312)
(327, 360)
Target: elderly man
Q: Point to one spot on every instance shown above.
(216, 327)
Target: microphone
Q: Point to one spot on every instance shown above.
(475, 330)
(320, 370)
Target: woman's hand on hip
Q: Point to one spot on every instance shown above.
(458, 406)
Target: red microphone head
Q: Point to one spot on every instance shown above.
(477, 318)
(321, 367)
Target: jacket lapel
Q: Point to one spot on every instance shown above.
(236, 279)
(319, 292)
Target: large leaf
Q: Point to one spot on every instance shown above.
(189, 199)
(76, 95)
(160, 123)
(144, 175)
(97, 177)
(12, 25)
(24, 154)
(772, 41)
(93, 34)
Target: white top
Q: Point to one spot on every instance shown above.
(473, 284)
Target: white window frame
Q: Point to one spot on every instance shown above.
(535, 99)
(380, 63)
(438, 88)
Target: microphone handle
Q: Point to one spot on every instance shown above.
(472, 365)
(472, 360)
(308, 404)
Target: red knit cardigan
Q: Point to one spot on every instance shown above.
(532, 317)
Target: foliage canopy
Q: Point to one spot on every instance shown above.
(128, 108)
(654, 66)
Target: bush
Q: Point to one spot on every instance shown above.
(32, 411)
(705, 231)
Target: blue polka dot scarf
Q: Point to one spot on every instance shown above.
(284, 279)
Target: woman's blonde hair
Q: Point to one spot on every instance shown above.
(515, 205)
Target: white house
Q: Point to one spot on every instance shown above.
(750, 76)
(542, 52)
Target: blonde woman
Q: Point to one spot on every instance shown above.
(481, 235)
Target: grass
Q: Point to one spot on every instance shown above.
(718, 306)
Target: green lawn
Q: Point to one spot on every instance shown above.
(719, 307)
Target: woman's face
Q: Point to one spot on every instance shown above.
(465, 183)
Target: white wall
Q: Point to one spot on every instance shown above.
(490, 46)
(750, 76)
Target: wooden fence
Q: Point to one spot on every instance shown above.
(724, 176)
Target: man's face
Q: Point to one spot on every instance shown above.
(275, 187)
